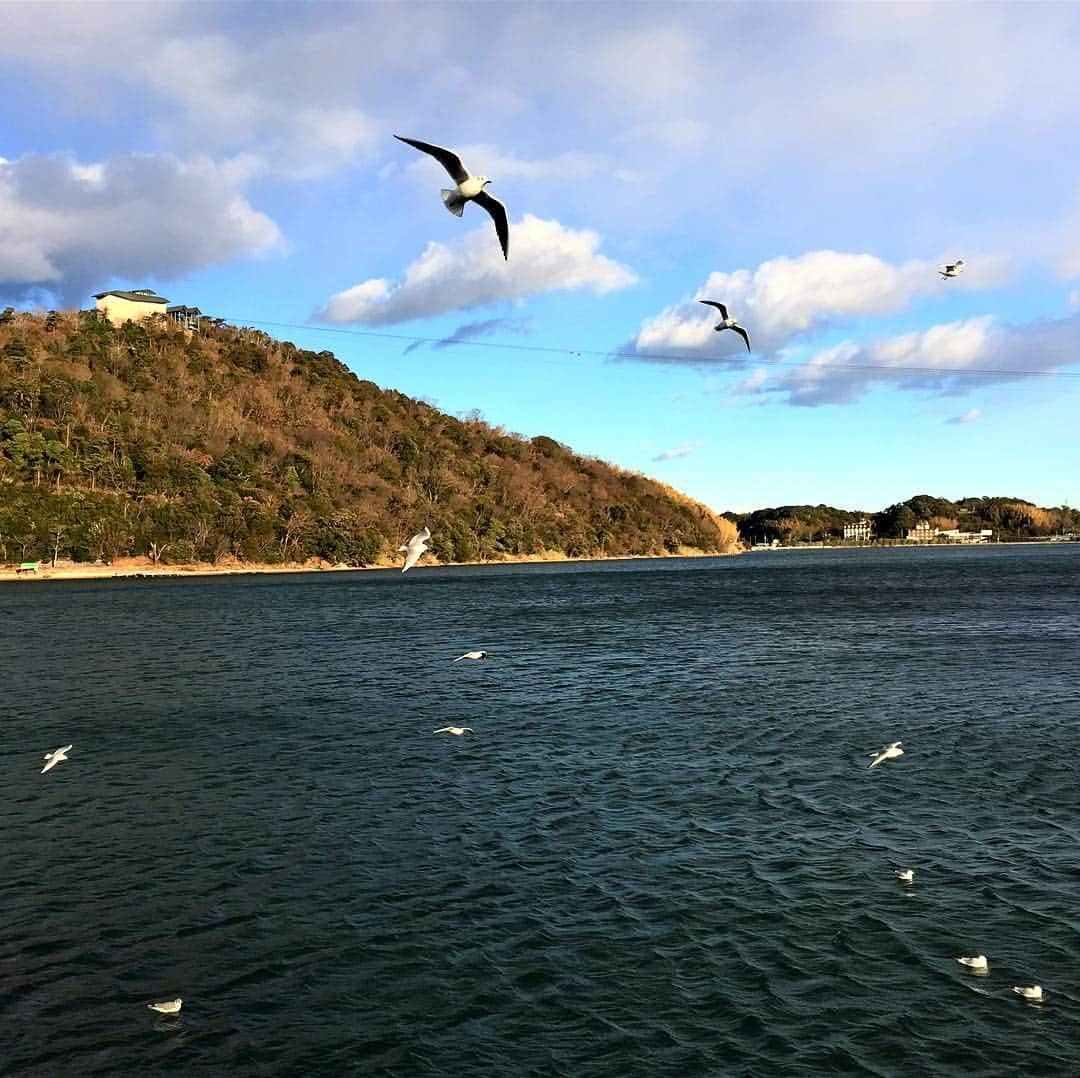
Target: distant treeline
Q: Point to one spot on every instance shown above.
(1008, 518)
(144, 439)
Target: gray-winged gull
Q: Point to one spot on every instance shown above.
(469, 189)
(170, 1006)
(727, 323)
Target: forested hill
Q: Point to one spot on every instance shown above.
(144, 439)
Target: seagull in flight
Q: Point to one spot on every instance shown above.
(952, 269)
(53, 758)
(890, 752)
(1033, 993)
(727, 323)
(472, 655)
(978, 962)
(907, 875)
(414, 549)
(457, 731)
(170, 1006)
(469, 189)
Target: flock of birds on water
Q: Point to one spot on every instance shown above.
(978, 963)
(413, 549)
(470, 188)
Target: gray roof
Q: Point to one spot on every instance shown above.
(142, 295)
(179, 308)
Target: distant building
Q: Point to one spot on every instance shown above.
(118, 306)
(955, 535)
(924, 533)
(921, 533)
(859, 531)
(188, 317)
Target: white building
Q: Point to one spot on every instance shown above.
(119, 306)
(859, 531)
(924, 533)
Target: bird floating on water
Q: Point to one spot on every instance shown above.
(53, 758)
(976, 962)
(952, 269)
(469, 189)
(727, 322)
(170, 1006)
(414, 549)
(907, 875)
(890, 752)
(457, 731)
(1033, 993)
(472, 655)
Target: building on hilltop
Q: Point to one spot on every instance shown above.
(119, 306)
(188, 317)
(859, 531)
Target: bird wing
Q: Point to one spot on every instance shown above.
(742, 333)
(498, 215)
(411, 558)
(447, 158)
(442, 730)
(419, 537)
(460, 657)
(719, 306)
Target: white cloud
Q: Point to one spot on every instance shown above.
(968, 417)
(785, 298)
(483, 159)
(544, 256)
(954, 358)
(72, 228)
(677, 454)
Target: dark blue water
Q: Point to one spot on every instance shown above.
(661, 853)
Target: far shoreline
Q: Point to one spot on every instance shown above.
(142, 568)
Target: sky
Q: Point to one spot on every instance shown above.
(809, 165)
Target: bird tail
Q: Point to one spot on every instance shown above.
(453, 201)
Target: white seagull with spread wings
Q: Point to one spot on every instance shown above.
(457, 731)
(952, 269)
(469, 189)
(727, 323)
(414, 549)
(53, 758)
(472, 655)
(890, 752)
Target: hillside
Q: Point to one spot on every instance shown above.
(146, 440)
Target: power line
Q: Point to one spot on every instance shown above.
(661, 357)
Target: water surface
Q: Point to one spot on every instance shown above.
(661, 852)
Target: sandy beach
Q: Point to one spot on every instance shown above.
(141, 567)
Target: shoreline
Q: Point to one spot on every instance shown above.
(143, 568)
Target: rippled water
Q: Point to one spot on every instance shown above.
(661, 852)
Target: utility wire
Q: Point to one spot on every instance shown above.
(663, 357)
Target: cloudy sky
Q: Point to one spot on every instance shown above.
(809, 165)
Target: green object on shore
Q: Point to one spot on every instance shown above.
(29, 567)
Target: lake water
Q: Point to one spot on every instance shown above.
(661, 852)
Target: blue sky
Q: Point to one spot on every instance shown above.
(809, 165)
